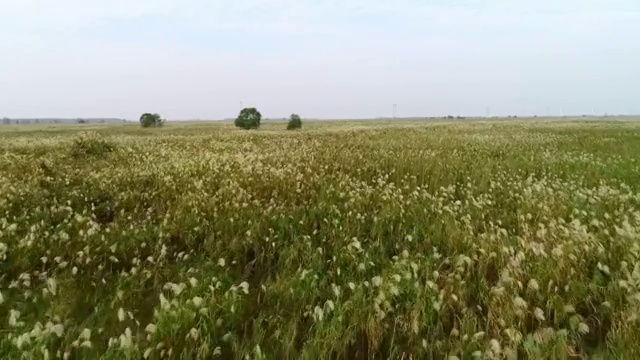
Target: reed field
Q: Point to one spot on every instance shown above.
(343, 240)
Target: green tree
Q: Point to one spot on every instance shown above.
(294, 122)
(249, 118)
(151, 120)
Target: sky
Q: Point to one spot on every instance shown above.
(197, 59)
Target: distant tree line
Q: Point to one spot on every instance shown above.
(8, 121)
(249, 118)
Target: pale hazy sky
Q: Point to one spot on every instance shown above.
(188, 59)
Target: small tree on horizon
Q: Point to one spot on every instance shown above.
(151, 120)
(249, 118)
(294, 122)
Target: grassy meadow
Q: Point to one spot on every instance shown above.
(344, 240)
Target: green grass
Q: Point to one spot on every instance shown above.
(345, 240)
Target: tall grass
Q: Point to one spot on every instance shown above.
(342, 241)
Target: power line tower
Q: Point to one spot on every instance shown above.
(394, 111)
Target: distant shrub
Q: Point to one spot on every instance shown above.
(91, 145)
(294, 122)
(151, 120)
(249, 118)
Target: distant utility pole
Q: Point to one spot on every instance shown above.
(394, 111)
(488, 112)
